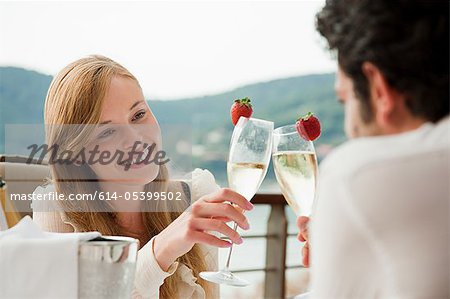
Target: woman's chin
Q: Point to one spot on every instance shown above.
(141, 175)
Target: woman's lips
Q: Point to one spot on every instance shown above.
(137, 165)
(138, 160)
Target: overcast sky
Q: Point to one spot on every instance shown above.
(175, 49)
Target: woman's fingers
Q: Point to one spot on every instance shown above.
(205, 224)
(229, 195)
(223, 219)
(205, 238)
(208, 210)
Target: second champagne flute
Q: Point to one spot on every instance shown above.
(295, 164)
(249, 157)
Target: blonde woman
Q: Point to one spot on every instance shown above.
(97, 92)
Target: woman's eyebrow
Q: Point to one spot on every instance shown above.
(135, 104)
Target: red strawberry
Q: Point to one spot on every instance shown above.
(241, 107)
(308, 127)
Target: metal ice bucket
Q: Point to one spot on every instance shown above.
(106, 267)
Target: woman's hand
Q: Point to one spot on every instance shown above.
(302, 223)
(209, 213)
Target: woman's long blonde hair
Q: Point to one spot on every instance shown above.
(76, 96)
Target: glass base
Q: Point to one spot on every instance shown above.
(224, 277)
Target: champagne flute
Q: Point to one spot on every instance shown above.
(295, 165)
(248, 159)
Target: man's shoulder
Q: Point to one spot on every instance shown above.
(440, 135)
(356, 153)
(348, 156)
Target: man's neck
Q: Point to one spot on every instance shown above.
(404, 124)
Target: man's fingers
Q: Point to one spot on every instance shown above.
(305, 254)
(300, 237)
(302, 223)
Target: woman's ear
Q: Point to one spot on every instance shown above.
(383, 98)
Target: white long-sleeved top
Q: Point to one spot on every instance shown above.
(149, 276)
(380, 228)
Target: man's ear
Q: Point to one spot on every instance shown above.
(383, 98)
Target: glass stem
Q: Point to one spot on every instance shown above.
(227, 266)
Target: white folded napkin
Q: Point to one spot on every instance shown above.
(38, 264)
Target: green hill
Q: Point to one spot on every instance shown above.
(22, 94)
(281, 101)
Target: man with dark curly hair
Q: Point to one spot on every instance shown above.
(380, 228)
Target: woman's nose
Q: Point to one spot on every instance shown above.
(132, 137)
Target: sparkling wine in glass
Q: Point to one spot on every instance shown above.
(249, 157)
(296, 169)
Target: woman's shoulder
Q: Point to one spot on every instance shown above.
(203, 183)
(48, 214)
(41, 198)
(195, 184)
(44, 189)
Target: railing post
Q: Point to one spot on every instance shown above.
(276, 253)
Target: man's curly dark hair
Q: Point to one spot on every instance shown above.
(408, 40)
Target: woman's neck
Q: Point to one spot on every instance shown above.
(130, 222)
(122, 196)
(128, 212)
(132, 225)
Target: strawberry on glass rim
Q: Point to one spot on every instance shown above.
(241, 107)
(308, 127)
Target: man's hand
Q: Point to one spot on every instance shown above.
(302, 223)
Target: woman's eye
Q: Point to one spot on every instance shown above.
(106, 133)
(139, 115)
